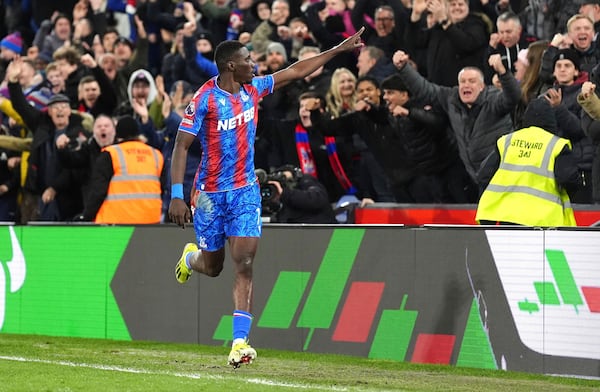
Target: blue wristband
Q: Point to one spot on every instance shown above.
(177, 191)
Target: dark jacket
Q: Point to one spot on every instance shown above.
(307, 202)
(44, 169)
(107, 100)
(477, 128)
(509, 55)
(448, 51)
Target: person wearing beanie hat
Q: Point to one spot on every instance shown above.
(127, 128)
(530, 174)
(276, 56)
(125, 180)
(568, 54)
(11, 46)
(566, 86)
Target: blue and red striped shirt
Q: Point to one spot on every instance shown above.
(225, 124)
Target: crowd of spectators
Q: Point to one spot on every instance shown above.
(410, 118)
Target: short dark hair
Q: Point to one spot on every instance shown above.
(225, 51)
(368, 78)
(87, 79)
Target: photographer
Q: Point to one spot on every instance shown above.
(299, 198)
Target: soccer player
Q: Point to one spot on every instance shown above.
(226, 196)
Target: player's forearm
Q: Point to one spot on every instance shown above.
(178, 162)
(305, 67)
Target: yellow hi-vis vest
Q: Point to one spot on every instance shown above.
(134, 193)
(524, 190)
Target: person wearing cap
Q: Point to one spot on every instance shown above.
(143, 105)
(11, 46)
(528, 176)
(226, 197)
(125, 180)
(508, 40)
(407, 139)
(49, 192)
(562, 93)
(280, 104)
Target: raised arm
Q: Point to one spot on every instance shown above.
(305, 67)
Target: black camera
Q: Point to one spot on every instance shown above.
(268, 192)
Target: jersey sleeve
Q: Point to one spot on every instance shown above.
(263, 85)
(194, 114)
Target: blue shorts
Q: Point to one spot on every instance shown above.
(220, 215)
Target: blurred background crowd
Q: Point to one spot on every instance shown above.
(397, 121)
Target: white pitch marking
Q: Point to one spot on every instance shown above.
(258, 381)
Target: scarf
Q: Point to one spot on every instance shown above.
(307, 161)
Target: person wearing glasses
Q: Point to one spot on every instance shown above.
(390, 22)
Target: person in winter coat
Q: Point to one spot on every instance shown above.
(457, 40)
(478, 114)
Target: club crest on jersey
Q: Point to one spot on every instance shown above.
(189, 109)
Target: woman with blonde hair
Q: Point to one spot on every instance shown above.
(340, 97)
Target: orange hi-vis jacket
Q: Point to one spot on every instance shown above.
(134, 192)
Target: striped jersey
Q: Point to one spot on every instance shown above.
(225, 124)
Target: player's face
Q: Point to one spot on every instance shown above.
(243, 70)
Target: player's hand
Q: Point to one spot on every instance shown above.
(353, 42)
(179, 212)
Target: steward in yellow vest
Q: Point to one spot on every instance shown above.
(129, 190)
(525, 189)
